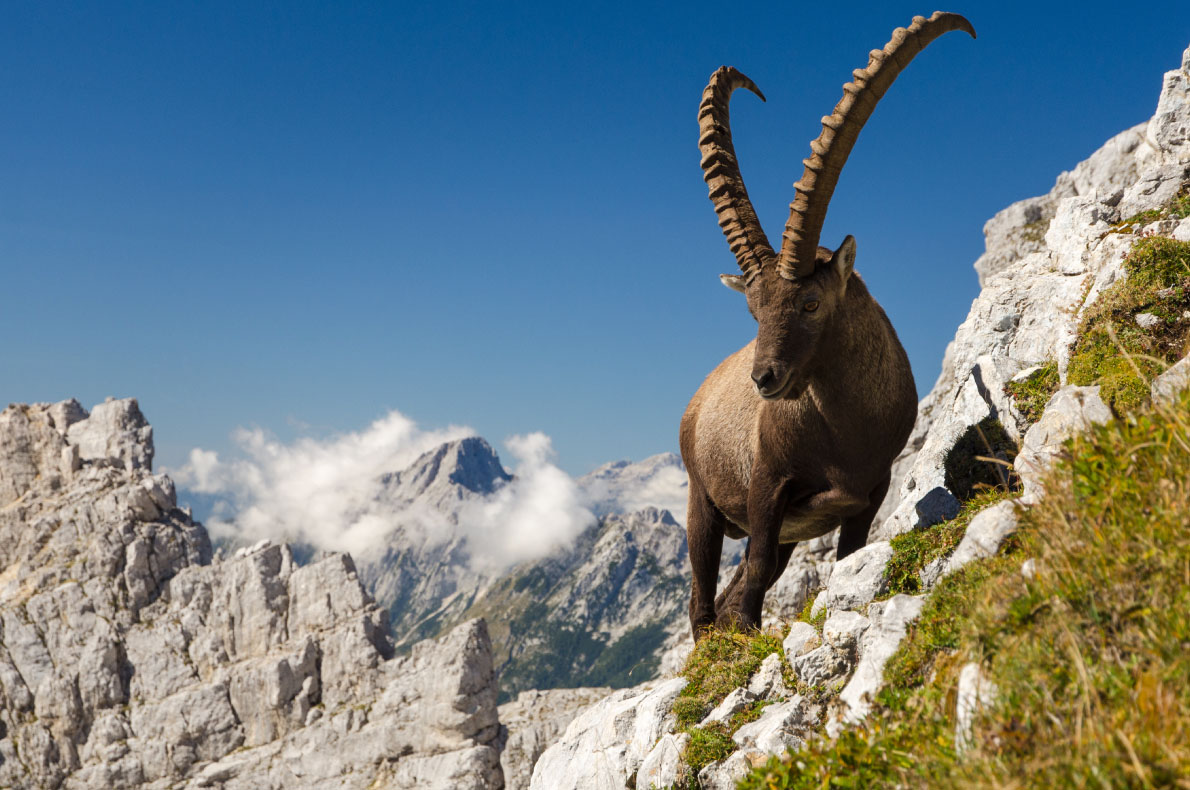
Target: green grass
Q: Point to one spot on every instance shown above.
(807, 614)
(1032, 393)
(1112, 350)
(720, 662)
(914, 550)
(1092, 654)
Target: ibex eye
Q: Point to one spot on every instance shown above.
(811, 306)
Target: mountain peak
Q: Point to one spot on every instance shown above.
(451, 471)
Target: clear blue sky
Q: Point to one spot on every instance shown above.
(296, 214)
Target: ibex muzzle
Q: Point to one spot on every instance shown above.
(794, 434)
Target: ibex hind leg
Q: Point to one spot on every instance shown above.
(853, 534)
(728, 602)
(704, 542)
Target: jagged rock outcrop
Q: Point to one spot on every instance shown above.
(533, 721)
(1048, 259)
(128, 658)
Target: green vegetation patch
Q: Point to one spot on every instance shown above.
(807, 614)
(1031, 393)
(917, 549)
(1116, 352)
(1089, 652)
(720, 662)
(981, 459)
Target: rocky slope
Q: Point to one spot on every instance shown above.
(1047, 261)
(129, 658)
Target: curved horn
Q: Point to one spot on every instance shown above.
(799, 243)
(721, 171)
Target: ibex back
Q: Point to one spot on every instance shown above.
(795, 434)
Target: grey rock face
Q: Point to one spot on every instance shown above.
(533, 721)
(129, 659)
(1070, 410)
(663, 767)
(1170, 384)
(889, 620)
(858, 578)
(1169, 129)
(608, 742)
(426, 584)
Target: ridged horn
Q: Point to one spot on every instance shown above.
(721, 171)
(799, 243)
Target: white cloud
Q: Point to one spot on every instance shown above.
(328, 493)
(623, 487)
(540, 511)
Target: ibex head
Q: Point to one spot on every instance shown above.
(795, 294)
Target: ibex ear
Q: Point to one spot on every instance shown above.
(733, 281)
(844, 258)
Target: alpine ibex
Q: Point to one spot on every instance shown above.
(807, 443)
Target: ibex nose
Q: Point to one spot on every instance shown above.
(764, 379)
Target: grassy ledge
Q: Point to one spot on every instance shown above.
(719, 663)
(915, 550)
(1138, 326)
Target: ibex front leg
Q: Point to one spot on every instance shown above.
(704, 542)
(766, 510)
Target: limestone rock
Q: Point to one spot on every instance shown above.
(779, 727)
(115, 433)
(663, 767)
(1170, 384)
(725, 773)
(1169, 129)
(858, 578)
(983, 538)
(767, 682)
(802, 637)
(819, 665)
(842, 630)
(976, 692)
(1070, 410)
(533, 721)
(889, 619)
(985, 534)
(735, 701)
(606, 743)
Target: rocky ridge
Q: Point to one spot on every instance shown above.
(130, 658)
(1047, 260)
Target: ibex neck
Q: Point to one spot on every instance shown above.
(859, 345)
